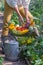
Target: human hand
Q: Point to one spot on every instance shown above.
(21, 19)
(27, 23)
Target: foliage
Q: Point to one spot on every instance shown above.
(15, 18)
(25, 40)
(1, 59)
(34, 51)
(1, 5)
(36, 8)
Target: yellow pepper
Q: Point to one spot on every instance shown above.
(11, 26)
(24, 31)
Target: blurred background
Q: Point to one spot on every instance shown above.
(36, 8)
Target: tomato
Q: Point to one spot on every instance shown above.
(17, 28)
(22, 28)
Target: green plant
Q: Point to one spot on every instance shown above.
(34, 51)
(1, 60)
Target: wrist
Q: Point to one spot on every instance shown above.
(17, 10)
(27, 20)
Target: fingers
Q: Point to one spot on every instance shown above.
(21, 19)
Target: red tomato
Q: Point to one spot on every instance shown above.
(22, 28)
(18, 28)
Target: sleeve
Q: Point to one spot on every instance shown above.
(26, 3)
(14, 3)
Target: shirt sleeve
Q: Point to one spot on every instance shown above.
(14, 3)
(26, 3)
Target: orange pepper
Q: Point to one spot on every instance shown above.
(32, 23)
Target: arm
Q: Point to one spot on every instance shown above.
(26, 14)
(17, 10)
(15, 7)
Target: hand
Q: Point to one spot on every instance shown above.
(21, 19)
(27, 22)
(27, 25)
